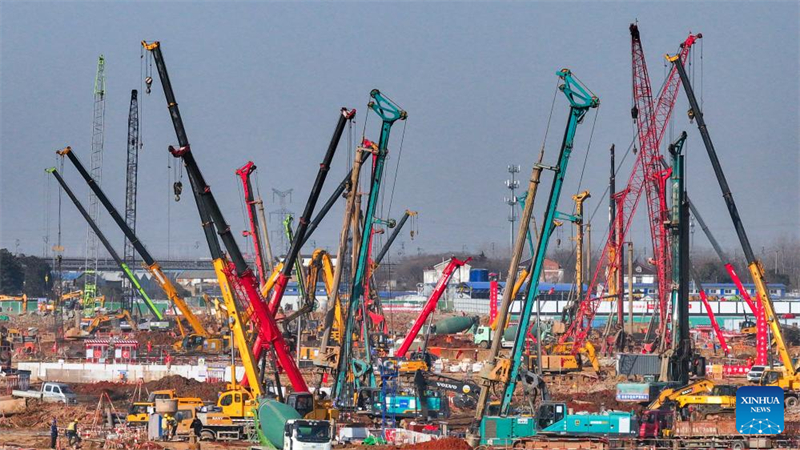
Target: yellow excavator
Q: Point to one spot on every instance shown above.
(698, 400)
(99, 322)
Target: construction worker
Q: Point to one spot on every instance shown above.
(53, 433)
(72, 432)
(197, 427)
(172, 426)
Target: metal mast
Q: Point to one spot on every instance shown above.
(131, 176)
(98, 135)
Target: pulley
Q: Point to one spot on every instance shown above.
(148, 83)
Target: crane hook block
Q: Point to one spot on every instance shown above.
(149, 83)
(177, 187)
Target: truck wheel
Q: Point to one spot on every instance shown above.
(791, 402)
(738, 445)
(484, 345)
(207, 435)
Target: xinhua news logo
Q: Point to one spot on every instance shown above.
(759, 410)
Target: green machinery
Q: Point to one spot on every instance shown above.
(389, 113)
(506, 372)
(554, 419)
(124, 267)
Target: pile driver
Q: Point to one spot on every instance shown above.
(349, 367)
(787, 376)
(506, 372)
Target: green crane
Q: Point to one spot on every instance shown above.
(100, 236)
(506, 372)
(389, 113)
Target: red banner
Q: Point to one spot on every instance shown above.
(492, 300)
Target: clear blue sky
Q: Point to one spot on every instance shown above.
(264, 81)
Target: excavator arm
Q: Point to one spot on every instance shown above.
(671, 395)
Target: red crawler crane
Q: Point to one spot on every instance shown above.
(646, 176)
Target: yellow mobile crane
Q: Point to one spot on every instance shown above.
(787, 376)
(235, 319)
(200, 338)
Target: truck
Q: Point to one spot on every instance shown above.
(723, 434)
(139, 412)
(50, 392)
(483, 336)
(660, 428)
(303, 434)
(554, 422)
(217, 426)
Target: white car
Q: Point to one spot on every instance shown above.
(754, 375)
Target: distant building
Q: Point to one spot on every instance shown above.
(642, 273)
(552, 272)
(431, 276)
(199, 281)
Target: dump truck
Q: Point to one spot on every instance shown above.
(50, 392)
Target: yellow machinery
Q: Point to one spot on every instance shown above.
(98, 322)
(12, 298)
(200, 338)
(787, 376)
(139, 412)
(702, 397)
(560, 358)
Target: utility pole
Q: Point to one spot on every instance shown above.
(281, 214)
(512, 186)
(630, 287)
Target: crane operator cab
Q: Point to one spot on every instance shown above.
(550, 413)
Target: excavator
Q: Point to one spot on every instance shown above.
(704, 396)
(199, 339)
(696, 401)
(787, 376)
(99, 322)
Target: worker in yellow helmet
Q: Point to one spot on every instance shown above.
(72, 432)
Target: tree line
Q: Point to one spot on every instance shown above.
(24, 274)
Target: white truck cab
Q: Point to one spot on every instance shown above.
(303, 434)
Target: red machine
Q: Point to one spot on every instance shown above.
(430, 305)
(494, 288)
(757, 309)
(722, 343)
(652, 120)
(244, 173)
(242, 279)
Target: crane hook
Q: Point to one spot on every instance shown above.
(177, 187)
(149, 83)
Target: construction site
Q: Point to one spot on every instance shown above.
(593, 317)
